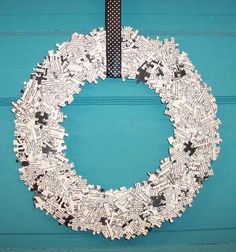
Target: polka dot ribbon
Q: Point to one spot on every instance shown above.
(113, 38)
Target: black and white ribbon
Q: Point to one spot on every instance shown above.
(113, 38)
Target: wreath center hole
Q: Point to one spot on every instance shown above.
(117, 132)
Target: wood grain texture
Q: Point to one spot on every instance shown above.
(117, 131)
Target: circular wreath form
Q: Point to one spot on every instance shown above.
(39, 143)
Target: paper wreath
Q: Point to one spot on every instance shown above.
(39, 143)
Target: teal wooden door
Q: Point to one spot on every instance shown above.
(117, 131)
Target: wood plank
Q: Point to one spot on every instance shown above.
(70, 7)
(63, 23)
(217, 68)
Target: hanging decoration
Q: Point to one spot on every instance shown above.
(39, 135)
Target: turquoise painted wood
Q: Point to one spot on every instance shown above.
(117, 131)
